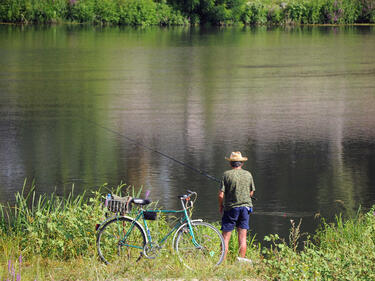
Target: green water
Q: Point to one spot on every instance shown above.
(298, 102)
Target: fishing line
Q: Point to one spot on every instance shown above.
(153, 150)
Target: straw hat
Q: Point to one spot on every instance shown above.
(236, 156)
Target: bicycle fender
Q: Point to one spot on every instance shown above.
(183, 225)
(104, 222)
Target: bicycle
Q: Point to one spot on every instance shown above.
(123, 237)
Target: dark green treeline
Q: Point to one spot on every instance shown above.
(183, 12)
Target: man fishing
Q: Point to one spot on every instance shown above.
(237, 188)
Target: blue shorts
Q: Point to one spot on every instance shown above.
(236, 217)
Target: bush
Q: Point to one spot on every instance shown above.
(350, 11)
(314, 11)
(82, 10)
(11, 11)
(236, 7)
(341, 11)
(275, 15)
(167, 16)
(24, 11)
(106, 11)
(220, 15)
(296, 12)
(47, 11)
(367, 11)
(254, 13)
(137, 12)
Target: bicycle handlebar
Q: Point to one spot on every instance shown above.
(186, 196)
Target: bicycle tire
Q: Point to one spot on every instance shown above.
(211, 252)
(112, 246)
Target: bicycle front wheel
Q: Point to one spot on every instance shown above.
(120, 239)
(209, 252)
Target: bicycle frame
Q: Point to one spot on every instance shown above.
(182, 221)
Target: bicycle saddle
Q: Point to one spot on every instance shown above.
(140, 201)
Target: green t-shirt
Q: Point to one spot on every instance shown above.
(236, 185)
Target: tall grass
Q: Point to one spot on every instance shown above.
(52, 226)
(51, 230)
(50, 237)
(344, 250)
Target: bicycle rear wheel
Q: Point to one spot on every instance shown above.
(211, 246)
(120, 239)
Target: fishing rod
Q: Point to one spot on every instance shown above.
(156, 151)
(153, 150)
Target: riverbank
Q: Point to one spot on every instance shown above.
(52, 238)
(173, 12)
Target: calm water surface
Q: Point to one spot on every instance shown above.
(299, 102)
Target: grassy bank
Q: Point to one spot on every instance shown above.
(51, 238)
(177, 12)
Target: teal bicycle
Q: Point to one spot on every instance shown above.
(124, 238)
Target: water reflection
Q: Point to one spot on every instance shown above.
(299, 102)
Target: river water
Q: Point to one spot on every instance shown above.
(298, 102)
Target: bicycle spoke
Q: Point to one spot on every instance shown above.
(210, 250)
(119, 240)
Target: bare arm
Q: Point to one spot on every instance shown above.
(252, 187)
(221, 199)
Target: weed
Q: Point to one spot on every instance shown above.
(49, 237)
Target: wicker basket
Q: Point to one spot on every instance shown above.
(119, 204)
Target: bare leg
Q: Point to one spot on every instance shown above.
(226, 236)
(241, 241)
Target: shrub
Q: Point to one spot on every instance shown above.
(341, 11)
(43, 11)
(236, 7)
(47, 11)
(11, 11)
(137, 12)
(167, 16)
(351, 11)
(106, 11)
(220, 15)
(274, 15)
(254, 13)
(296, 12)
(314, 11)
(367, 11)
(82, 10)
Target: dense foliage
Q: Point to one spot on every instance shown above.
(181, 12)
(127, 12)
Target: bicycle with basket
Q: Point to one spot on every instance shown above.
(125, 238)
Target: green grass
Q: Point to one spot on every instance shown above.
(52, 238)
